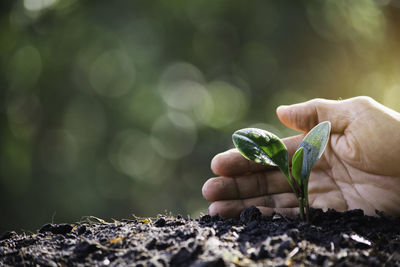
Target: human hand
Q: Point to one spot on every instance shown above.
(360, 167)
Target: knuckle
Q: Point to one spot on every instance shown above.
(318, 101)
(364, 100)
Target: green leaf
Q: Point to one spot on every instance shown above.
(314, 145)
(297, 163)
(262, 147)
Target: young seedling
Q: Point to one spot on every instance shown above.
(266, 148)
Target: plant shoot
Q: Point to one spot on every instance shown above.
(266, 148)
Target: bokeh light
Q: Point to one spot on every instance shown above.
(112, 74)
(117, 109)
(223, 105)
(173, 135)
(38, 5)
(133, 154)
(24, 68)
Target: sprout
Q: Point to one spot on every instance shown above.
(266, 148)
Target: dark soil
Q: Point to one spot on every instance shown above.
(331, 239)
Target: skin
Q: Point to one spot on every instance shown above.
(360, 168)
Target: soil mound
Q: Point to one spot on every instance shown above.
(330, 239)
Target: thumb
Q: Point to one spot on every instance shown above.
(304, 116)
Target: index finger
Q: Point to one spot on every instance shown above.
(231, 162)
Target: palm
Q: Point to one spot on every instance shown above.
(331, 184)
(344, 180)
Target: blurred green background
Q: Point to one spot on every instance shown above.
(113, 108)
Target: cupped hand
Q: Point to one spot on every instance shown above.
(360, 168)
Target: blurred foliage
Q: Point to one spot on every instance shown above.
(113, 108)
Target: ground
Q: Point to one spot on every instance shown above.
(330, 239)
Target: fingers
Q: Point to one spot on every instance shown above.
(242, 187)
(231, 162)
(304, 116)
(285, 204)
